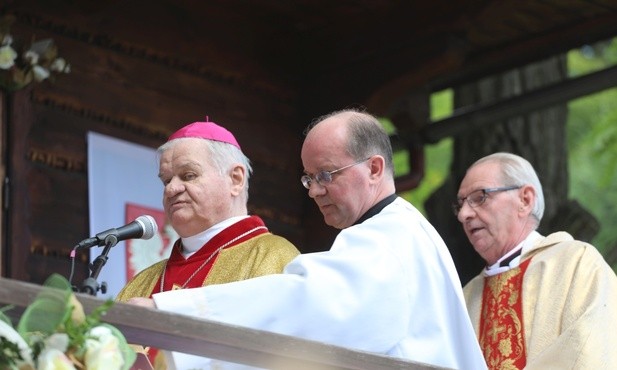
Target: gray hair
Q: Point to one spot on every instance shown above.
(516, 170)
(223, 156)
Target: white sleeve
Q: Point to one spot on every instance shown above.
(349, 296)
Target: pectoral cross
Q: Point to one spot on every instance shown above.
(495, 330)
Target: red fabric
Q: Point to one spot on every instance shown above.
(178, 269)
(502, 336)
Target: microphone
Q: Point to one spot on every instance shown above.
(144, 227)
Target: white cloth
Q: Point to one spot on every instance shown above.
(191, 244)
(387, 285)
(523, 247)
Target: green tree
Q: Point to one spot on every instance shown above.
(592, 144)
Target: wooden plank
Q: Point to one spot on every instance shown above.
(475, 117)
(216, 340)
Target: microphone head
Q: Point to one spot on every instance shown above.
(148, 225)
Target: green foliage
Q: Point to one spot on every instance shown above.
(442, 104)
(388, 126)
(592, 58)
(437, 164)
(437, 157)
(78, 331)
(592, 143)
(55, 321)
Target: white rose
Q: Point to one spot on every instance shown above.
(7, 331)
(7, 40)
(102, 350)
(53, 359)
(7, 57)
(40, 73)
(31, 57)
(58, 65)
(59, 341)
(100, 331)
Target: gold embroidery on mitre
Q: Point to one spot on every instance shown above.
(501, 330)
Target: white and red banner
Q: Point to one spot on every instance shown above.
(123, 184)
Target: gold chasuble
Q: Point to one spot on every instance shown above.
(502, 336)
(249, 250)
(569, 305)
(243, 250)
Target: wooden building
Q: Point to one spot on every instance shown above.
(264, 69)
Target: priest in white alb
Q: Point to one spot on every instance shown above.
(387, 285)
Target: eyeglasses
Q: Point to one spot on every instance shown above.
(325, 177)
(478, 197)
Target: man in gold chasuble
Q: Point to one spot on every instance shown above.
(205, 177)
(541, 302)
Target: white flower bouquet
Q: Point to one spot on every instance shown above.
(21, 64)
(54, 334)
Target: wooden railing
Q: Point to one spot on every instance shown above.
(181, 333)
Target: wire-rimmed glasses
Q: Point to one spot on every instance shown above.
(325, 177)
(478, 197)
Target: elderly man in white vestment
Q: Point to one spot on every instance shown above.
(387, 285)
(541, 302)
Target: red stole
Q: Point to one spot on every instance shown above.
(502, 336)
(179, 271)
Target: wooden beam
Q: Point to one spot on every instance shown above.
(475, 117)
(532, 49)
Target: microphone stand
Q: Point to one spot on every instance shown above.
(90, 285)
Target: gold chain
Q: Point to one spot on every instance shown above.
(209, 258)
